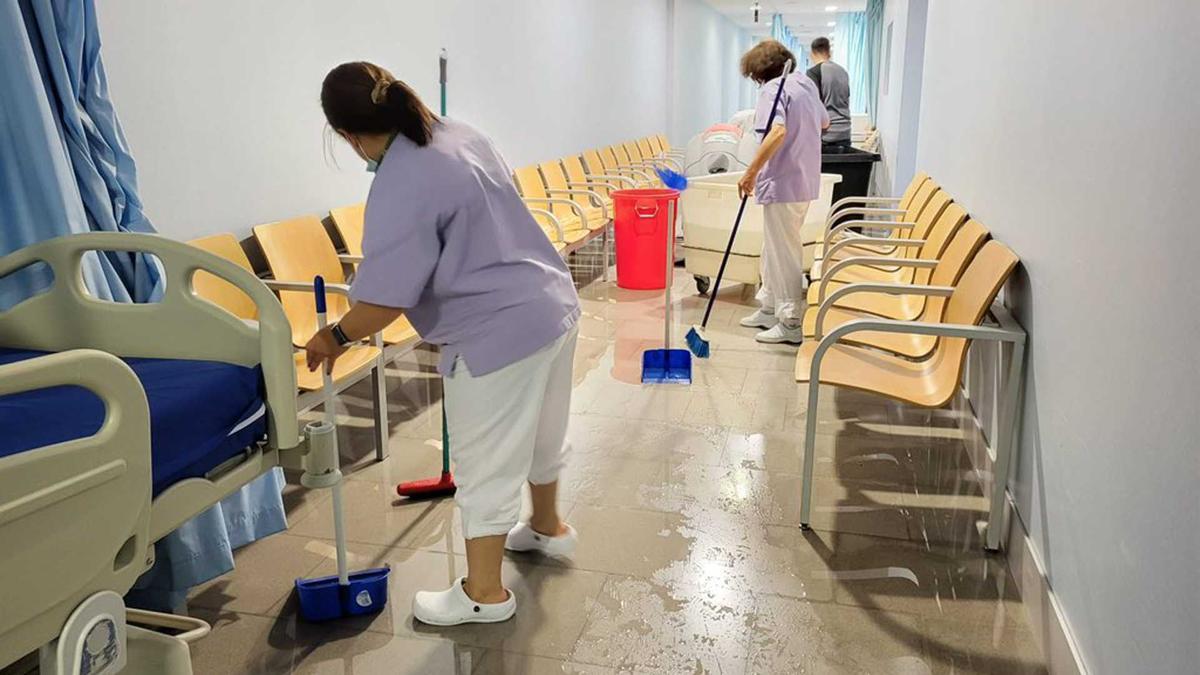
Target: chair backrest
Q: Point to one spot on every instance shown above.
(620, 154)
(662, 141)
(927, 218)
(963, 246)
(610, 159)
(215, 289)
(655, 144)
(973, 295)
(529, 182)
(349, 223)
(556, 179)
(911, 191)
(924, 193)
(595, 163)
(938, 236)
(298, 250)
(573, 165)
(634, 152)
(648, 150)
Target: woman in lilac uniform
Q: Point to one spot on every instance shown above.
(448, 242)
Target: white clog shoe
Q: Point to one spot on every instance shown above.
(453, 606)
(524, 538)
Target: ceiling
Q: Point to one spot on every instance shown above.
(807, 18)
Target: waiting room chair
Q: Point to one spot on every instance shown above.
(357, 363)
(899, 222)
(570, 229)
(891, 300)
(870, 207)
(932, 382)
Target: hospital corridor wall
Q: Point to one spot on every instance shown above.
(220, 103)
(1056, 145)
(706, 86)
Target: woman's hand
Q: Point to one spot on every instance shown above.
(746, 184)
(322, 348)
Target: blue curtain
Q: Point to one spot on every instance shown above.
(64, 164)
(65, 168)
(850, 49)
(784, 35)
(874, 31)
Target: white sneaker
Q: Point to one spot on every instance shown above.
(524, 538)
(759, 319)
(780, 333)
(453, 606)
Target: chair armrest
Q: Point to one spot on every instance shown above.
(890, 289)
(351, 259)
(890, 243)
(553, 221)
(863, 212)
(869, 261)
(305, 286)
(566, 202)
(845, 201)
(843, 228)
(619, 179)
(590, 193)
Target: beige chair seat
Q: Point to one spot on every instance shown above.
(905, 344)
(356, 359)
(876, 372)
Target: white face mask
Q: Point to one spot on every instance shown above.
(372, 165)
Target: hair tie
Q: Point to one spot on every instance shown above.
(379, 93)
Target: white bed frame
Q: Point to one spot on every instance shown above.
(77, 518)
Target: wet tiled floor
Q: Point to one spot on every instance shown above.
(687, 502)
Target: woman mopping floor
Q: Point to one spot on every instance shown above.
(448, 242)
(784, 177)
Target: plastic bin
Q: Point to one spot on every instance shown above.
(640, 223)
(854, 166)
(709, 206)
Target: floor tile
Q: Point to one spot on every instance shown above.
(263, 575)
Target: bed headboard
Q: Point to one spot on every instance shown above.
(181, 326)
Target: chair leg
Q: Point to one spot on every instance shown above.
(604, 244)
(379, 402)
(1008, 431)
(810, 447)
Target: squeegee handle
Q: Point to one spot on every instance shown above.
(716, 287)
(322, 322)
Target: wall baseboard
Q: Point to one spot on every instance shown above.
(1041, 604)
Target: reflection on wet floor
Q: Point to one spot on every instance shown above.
(686, 500)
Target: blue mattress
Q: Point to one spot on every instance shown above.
(202, 413)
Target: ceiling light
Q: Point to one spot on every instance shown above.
(831, 24)
(830, 8)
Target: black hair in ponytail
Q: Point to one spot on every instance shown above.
(362, 98)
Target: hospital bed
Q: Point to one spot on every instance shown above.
(123, 421)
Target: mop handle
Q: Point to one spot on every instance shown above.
(443, 60)
(716, 287)
(667, 276)
(339, 532)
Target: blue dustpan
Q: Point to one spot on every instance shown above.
(323, 598)
(666, 366)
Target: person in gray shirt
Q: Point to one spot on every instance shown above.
(834, 84)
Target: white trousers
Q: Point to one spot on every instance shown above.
(782, 291)
(508, 427)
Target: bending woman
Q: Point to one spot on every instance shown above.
(448, 242)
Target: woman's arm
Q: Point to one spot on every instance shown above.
(770, 146)
(362, 320)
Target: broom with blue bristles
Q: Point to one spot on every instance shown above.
(696, 339)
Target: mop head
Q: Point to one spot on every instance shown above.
(697, 341)
(428, 488)
(672, 179)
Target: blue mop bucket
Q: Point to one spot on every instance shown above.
(323, 598)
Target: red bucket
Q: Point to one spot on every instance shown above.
(641, 228)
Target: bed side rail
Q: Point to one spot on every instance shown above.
(181, 326)
(74, 516)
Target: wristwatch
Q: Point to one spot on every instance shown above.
(339, 335)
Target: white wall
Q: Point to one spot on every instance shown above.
(219, 99)
(899, 106)
(1083, 158)
(706, 86)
